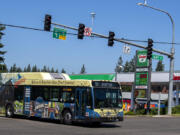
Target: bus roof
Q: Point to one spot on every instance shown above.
(102, 77)
(81, 83)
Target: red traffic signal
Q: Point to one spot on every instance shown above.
(111, 38)
(47, 23)
(81, 31)
(149, 48)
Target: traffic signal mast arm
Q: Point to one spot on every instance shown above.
(116, 39)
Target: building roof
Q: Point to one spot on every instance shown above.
(155, 77)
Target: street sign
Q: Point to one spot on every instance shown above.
(157, 57)
(87, 31)
(59, 33)
(142, 60)
(126, 49)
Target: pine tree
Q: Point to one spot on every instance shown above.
(132, 64)
(34, 68)
(3, 67)
(83, 70)
(63, 71)
(119, 65)
(56, 71)
(126, 67)
(29, 68)
(14, 68)
(52, 70)
(160, 66)
(25, 69)
(44, 69)
(18, 69)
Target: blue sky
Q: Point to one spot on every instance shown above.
(124, 17)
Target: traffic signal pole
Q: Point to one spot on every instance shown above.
(149, 86)
(116, 39)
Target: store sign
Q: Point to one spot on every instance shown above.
(142, 60)
(140, 93)
(141, 78)
(176, 76)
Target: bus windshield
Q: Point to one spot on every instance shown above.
(107, 98)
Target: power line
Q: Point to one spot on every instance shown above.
(74, 34)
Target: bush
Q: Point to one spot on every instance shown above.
(141, 112)
(130, 113)
(176, 110)
(154, 111)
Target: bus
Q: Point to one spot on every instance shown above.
(64, 100)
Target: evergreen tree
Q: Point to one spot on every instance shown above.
(34, 68)
(11, 69)
(126, 67)
(18, 69)
(160, 66)
(14, 68)
(25, 69)
(63, 71)
(119, 65)
(48, 70)
(44, 69)
(29, 68)
(83, 70)
(56, 71)
(52, 70)
(132, 64)
(3, 67)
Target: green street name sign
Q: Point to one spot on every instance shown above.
(157, 57)
(59, 33)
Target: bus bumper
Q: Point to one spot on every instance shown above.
(105, 119)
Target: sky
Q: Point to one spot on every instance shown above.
(124, 17)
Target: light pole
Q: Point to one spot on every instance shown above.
(93, 16)
(171, 70)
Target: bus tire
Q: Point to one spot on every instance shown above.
(9, 111)
(67, 117)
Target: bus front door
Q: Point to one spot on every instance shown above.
(80, 108)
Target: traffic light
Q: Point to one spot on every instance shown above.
(47, 23)
(111, 38)
(81, 31)
(149, 48)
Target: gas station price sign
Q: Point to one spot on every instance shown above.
(141, 78)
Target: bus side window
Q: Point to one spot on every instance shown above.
(19, 93)
(54, 92)
(46, 94)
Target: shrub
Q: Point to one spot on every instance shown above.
(176, 110)
(130, 113)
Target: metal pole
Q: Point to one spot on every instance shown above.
(116, 39)
(149, 86)
(133, 86)
(159, 103)
(171, 70)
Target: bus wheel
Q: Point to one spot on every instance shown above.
(9, 111)
(67, 117)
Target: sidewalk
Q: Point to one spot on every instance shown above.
(155, 116)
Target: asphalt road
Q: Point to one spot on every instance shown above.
(130, 126)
